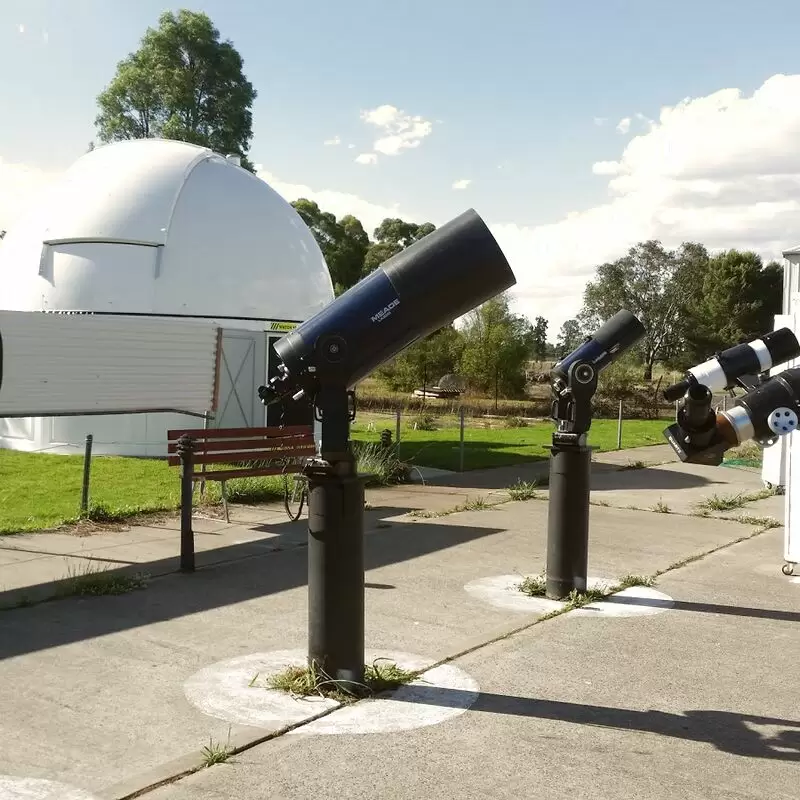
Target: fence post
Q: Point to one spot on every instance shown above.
(185, 450)
(619, 427)
(397, 431)
(461, 440)
(87, 467)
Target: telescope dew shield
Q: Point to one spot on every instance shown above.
(751, 358)
(426, 286)
(613, 338)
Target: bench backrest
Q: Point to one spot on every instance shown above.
(244, 445)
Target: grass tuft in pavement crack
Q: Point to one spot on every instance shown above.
(94, 582)
(306, 681)
(216, 752)
(523, 490)
(723, 502)
(472, 504)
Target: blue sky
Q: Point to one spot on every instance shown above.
(509, 84)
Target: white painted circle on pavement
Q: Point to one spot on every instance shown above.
(503, 591)
(16, 788)
(439, 694)
(234, 691)
(637, 601)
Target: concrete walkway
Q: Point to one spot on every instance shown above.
(101, 693)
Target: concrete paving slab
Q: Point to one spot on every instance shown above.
(22, 575)
(682, 488)
(650, 454)
(81, 678)
(691, 704)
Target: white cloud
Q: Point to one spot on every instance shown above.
(400, 131)
(334, 141)
(462, 184)
(19, 188)
(723, 170)
(21, 28)
(624, 125)
(367, 158)
(338, 203)
(350, 146)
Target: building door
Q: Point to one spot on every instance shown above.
(239, 405)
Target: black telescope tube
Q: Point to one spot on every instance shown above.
(783, 390)
(426, 286)
(782, 345)
(616, 335)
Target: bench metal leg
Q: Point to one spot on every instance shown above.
(225, 502)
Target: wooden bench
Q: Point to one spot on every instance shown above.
(243, 453)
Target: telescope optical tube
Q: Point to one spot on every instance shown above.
(605, 345)
(426, 286)
(752, 358)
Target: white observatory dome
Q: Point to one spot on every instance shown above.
(163, 228)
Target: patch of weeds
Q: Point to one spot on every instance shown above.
(533, 585)
(101, 513)
(472, 504)
(576, 599)
(633, 465)
(425, 422)
(661, 508)
(515, 422)
(604, 503)
(380, 463)
(728, 502)
(476, 504)
(311, 680)
(763, 522)
(94, 582)
(368, 506)
(216, 752)
(523, 490)
(628, 581)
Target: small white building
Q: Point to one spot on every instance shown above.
(165, 229)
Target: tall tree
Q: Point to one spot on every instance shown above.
(539, 339)
(737, 301)
(569, 337)
(182, 83)
(497, 343)
(392, 236)
(643, 282)
(343, 242)
(424, 362)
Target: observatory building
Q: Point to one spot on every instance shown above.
(160, 228)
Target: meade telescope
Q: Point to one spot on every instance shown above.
(428, 285)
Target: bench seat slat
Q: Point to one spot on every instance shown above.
(234, 433)
(228, 475)
(247, 456)
(248, 444)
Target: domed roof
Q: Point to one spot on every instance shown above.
(154, 226)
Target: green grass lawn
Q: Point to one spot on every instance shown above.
(499, 447)
(39, 490)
